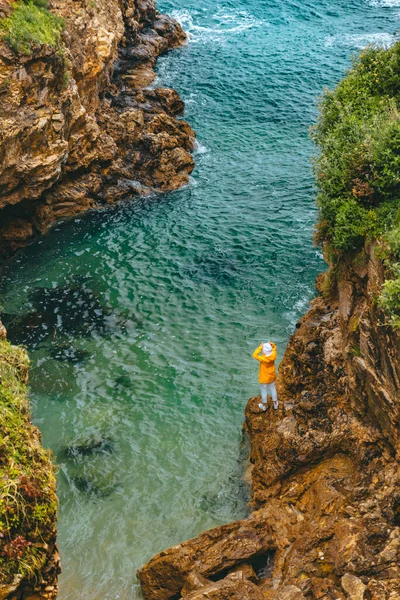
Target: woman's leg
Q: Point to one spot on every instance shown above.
(264, 389)
(273, 393)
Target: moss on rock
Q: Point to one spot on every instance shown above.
(28, 503)
(31, 24)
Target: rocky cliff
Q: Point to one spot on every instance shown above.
(325, 471)
(80, 124)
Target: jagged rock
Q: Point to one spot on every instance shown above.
(353, 586)
(194, 581)
(247, 572)
(325, 474)
(74, 130)
(232, 587)
(325, 589)
(213, 552)
(289, 592)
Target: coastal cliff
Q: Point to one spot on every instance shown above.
(325, 473)
(325, 466)
(79, 124)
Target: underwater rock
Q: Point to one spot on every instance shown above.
(29, 329)
(65, 310)
(89, 464)
(124, 380)
(67, 353)
(212, 268)
(88, 447)
(72, 309)
(94, 488)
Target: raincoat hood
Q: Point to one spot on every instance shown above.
(267, 349)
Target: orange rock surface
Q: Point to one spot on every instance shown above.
(80, 128)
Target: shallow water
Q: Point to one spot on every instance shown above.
(141, 342)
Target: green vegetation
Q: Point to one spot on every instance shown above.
(30, 24)
(358, 169)
(28, 502)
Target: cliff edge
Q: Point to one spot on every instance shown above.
(325, 466)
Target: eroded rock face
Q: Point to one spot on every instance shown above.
(81, 129)
(325, 474)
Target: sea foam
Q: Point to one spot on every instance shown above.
(384, 40)
(224, 23)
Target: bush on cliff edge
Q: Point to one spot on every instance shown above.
(31, 24)
(358, 168)
(28, 502)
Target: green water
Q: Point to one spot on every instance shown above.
(142, 347)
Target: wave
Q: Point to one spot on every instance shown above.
(384, 40)
(199, 148)
(299, 308)
(223, 24)
(384, 3)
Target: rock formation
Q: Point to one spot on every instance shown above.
(325, 471)
(81, 126)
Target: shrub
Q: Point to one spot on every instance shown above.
(31, 24)
(358, 168)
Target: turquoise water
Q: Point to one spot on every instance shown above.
(141, 319)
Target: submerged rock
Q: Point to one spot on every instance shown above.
(66, 311)
(70, 309)
(29, 329)
(66, 353)
(88, 447)
(94, 487)
(213, 268)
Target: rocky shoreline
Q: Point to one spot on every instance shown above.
(325, 472)
(80, 126)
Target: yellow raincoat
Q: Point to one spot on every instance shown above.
(267, 372)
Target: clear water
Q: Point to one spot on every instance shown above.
(142, 399)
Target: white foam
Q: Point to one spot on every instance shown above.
(199, 148)
(299, 308)
(225, 24)
(384, 40)
(384, 3)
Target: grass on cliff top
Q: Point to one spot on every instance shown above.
(28, 502)
(358, 168)
(31, 24)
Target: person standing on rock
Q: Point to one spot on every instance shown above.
(266, 356)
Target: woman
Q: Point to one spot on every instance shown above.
(266, 355)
